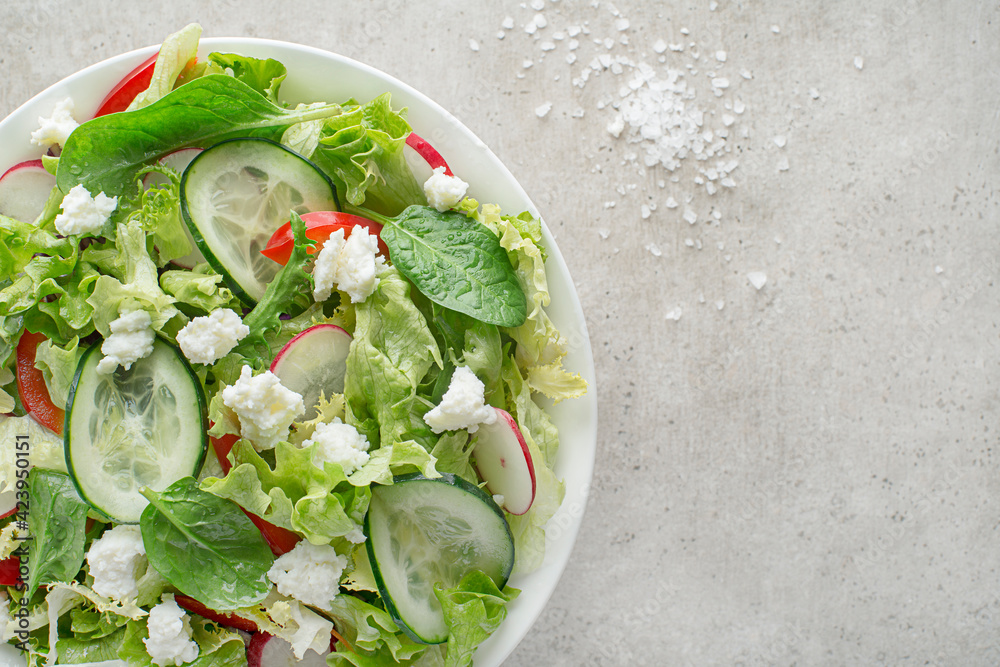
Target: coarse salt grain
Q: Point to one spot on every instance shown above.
(542, 110)
(757, 279)
(859, 62)
(674, 313)
(780, 141)
(474, 45)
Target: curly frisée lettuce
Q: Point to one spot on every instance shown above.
(460, 290)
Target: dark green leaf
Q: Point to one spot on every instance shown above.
(105, 153)
(205, 546)
(263, 75)
(57, 524)
(457, 263)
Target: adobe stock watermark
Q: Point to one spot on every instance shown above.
(18, 609)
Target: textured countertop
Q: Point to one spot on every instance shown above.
(798, 474)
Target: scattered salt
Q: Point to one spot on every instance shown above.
(621, 25)
(654, 250)
(938, 269)
(671, 202)
(547, 46)
(543, 109)
(674, 313)
(783, 164)
(605, 233)
(690, 216)
(527, 63)
(508, 23)
(474, 45)
(775, 29)
(538, 5)
(501, 34)
(859, 62)
(659, 46)
(757, 279)
(813, 93)
(689, 242)
(720, 304)
(720, 56)
(644, 211)
(780, 141)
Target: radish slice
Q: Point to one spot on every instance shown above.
(423, 158)
(24, 189)
(269, 651)
(314, 361)
(178, 161)
(504, 462)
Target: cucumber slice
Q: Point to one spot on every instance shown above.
(235, 194)
(147, 426)
(423, 532)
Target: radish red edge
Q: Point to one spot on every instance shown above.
(24, 190)
(504, 462)
(314, 362)
(427, 152)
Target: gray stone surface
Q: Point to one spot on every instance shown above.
(808, 475)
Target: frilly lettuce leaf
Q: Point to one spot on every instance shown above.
(176, 52)
(158, 212)
(453, 451)
(555, 381)
(58, 366)
(362, 148)
(473, 611)
(140, 289)
(391, 352)
(373, 637)
(395, 459)
(200, 288)
(262, 74)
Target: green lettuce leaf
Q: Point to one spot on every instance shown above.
(140, 289)
(58, 366)
(372, 634)
(395, 459)
(201, 289)
(391, 352)
(176, 52)
(263, 75)
(76, 649)
(453, 452)
(473, 611)
(363, 149)
(158, 212)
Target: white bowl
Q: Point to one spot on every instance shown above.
(315, 75)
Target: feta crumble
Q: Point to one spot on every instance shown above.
(56, 128)
(353, 265)
(309, 573)
(266, 407)
(114, 560)
(444, 192)
(339, 443)
(83, 213)
(462, 406)
(131, 339)
(206, 339)
(169, 641)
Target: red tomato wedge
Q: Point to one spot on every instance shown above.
(10, 571)
(31, 385)
(427, 152)
(319, 226)
(128, 88)
(229, 620)
(281, 540)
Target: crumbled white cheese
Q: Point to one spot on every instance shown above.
(131, 339)
(353, 265)
(206, 339)
(114, 560)
(339, 443)
(462, 406)
(266, 407)
(443, 191)
(355, 535)
(56, 128)
(83, 213)
(309, 573)
(169, 641)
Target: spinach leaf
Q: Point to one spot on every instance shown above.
(57, 524)
(263, 75)
(457, 263)
(105, 153)
(205, 546)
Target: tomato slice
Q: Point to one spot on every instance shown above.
(10, 571)
(229, 620)
(281, 540)
(319, 226)
(128, 88)
(31, 385)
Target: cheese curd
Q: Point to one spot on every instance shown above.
(339, 443)
(56, 128)
(131, 339)
(353, 265)
(266, 407)
(205, 340)
(444, 192)
(169, 641)
(114, 560)
(462, 406)
(309, 573)
(83, 213)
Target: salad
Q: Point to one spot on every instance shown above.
(270, 379)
